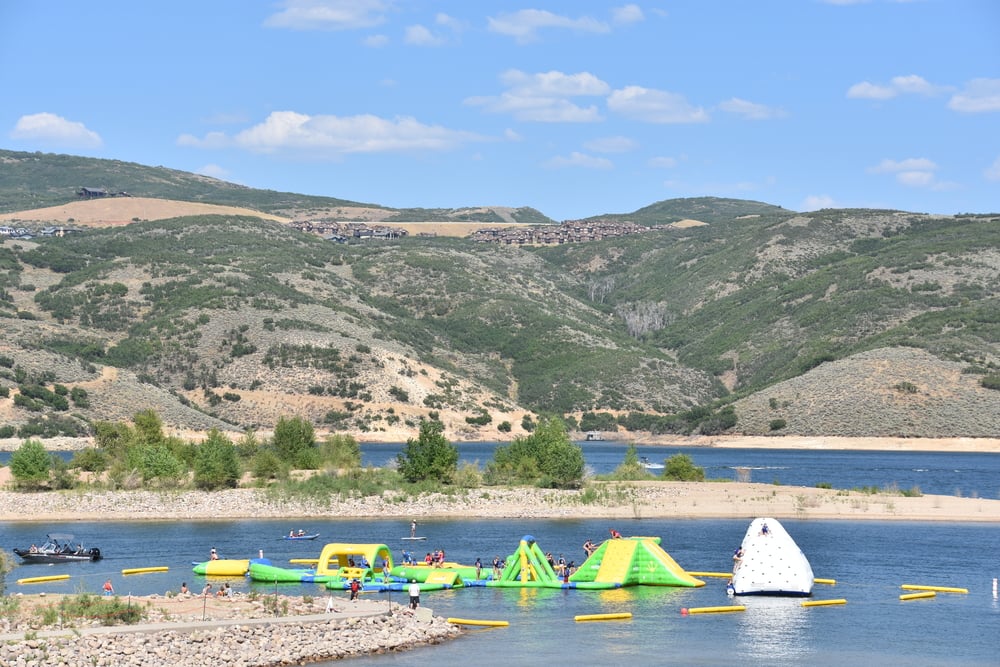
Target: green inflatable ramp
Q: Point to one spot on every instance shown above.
(633, 561)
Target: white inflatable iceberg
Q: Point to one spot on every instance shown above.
(771, 563)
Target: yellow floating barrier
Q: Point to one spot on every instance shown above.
(823, 603)
(304, 561)
(39, 580)
(723, 575)
(713, 610)
(917, 596)
(939, 589)
(622, 616)
(143, 570)
(831, 582)
(472, 621)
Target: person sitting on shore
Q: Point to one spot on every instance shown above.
(184, 588)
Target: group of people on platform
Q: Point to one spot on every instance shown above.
(435, 558)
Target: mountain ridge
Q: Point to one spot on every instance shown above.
(236, 320)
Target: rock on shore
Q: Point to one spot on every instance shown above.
(245, 645)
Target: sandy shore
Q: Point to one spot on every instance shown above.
(632, 500)
(652, 499)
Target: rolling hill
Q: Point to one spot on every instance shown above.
(759, 320)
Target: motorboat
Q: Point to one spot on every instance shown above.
(301, 536)
(58, 548)
(649, 465)
(770, 563)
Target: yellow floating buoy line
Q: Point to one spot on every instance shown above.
(939, 589)
(723, 575)
(621, 616)
(823, 603)
(39, 580)
(713, 610)
(917, 596)
(144, 570)
(831, 582)
(473, 621)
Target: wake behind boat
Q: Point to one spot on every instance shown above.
(58, 548)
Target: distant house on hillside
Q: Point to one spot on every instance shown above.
(91, 193)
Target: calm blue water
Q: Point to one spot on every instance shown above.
(869, 560)
(939, 473)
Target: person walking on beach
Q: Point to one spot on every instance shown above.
(355, 589)
(108, 588)
(414, 591)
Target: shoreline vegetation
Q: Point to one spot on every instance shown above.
(620, 499)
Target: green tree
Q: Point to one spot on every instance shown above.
(631, 467)
(114, 438)
(546, 457)
(148, 427)
(681, 468)
(293, 438)
(155, 463)
(341, 451)
(430, 456)
(216, 464)
(30, 465)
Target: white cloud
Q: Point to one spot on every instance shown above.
(915, 179)
(992, 172)
(523, 25)
(328, 14)
(450, 22)
(213, 170)
(418, 35)
(576, 159)
(334, 136)
(978, 96)
(816, 202)
(544, 97)
(751, 110)
(655, 106)
(662, 162)
(910, 84)
(909, 164)
(55, 130)
(911, 172)
(627, 14)
(611, 145)
(375, 41)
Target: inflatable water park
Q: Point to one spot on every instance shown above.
(768, 562)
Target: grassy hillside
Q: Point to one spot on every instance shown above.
(792, 320)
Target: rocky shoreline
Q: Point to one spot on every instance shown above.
(362, 629)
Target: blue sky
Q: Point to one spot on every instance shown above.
(576, 108)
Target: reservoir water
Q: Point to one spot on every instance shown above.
(868, 560)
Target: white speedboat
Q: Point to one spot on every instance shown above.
(649, 465)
